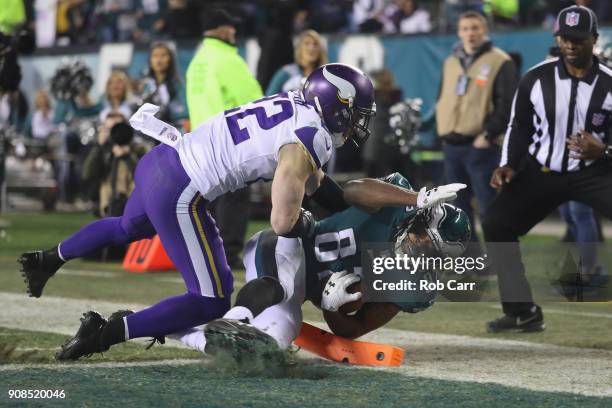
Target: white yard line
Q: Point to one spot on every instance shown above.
(571, 313)
(82, 272)
(523, 364)
(174, 362)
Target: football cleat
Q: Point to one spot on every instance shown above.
(532, 321)
(243, 342)
(86, 341)
(36, 268)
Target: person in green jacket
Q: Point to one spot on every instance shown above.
(12, 14)
(219, 79)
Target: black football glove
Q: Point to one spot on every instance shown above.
(303, 227)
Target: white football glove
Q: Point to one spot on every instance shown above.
(144, 121)
(438, 195)
(335, 294)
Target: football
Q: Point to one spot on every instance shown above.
(355, 305)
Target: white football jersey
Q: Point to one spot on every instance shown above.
(240, 146)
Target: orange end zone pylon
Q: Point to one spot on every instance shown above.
(147, 255)
(335, 348)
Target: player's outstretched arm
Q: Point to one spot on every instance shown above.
(372, 194)
(314, 182)
(369, 318)
(288, 187)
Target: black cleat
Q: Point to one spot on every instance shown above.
(243, 342)
(532, 321)
(86, 341)
(36, 268)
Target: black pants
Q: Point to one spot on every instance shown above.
(524, 202)
(231, 213)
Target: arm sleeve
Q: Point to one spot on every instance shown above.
(503, 89)
(330, 195)
(520, 128)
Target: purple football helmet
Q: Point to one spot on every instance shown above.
(344, 98)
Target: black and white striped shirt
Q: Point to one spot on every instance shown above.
(549, 106)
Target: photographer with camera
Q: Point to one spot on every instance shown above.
(13, 104)
(109, 166)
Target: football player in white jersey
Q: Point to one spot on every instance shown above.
(286, 137)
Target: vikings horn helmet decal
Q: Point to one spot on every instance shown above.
(346, 90)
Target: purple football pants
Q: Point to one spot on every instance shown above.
(166, 202)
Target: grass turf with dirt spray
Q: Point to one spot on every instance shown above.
(204, 383)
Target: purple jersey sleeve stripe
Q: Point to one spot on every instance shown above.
(306, 135)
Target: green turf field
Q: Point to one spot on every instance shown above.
(119, 376)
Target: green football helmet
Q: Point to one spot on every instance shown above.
(449, 229)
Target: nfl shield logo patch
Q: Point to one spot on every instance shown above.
(572, 19)
(598, 119)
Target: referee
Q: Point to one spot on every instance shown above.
(557, 148)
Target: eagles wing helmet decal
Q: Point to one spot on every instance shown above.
(346, 90)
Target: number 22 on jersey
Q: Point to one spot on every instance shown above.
(234, 117)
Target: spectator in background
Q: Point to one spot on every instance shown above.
(583, 229)
(74, 21)
(503, 12)
(80, 107)
(328, 16)
(182, 20)
(455, 8)
(118, 20)
(13, 109)
(368, 15)
(162, 85)
(12, 15)
(379, 158)
(405, 17)
(149, 16)
(602, 8)
(219, 79)
(118, 96)
(276, 38)
(310, 54)
(118, 181)
(82, 23)
(92, 171)
(41, 125)
(477, 85)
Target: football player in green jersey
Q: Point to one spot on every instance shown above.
(321, 266)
